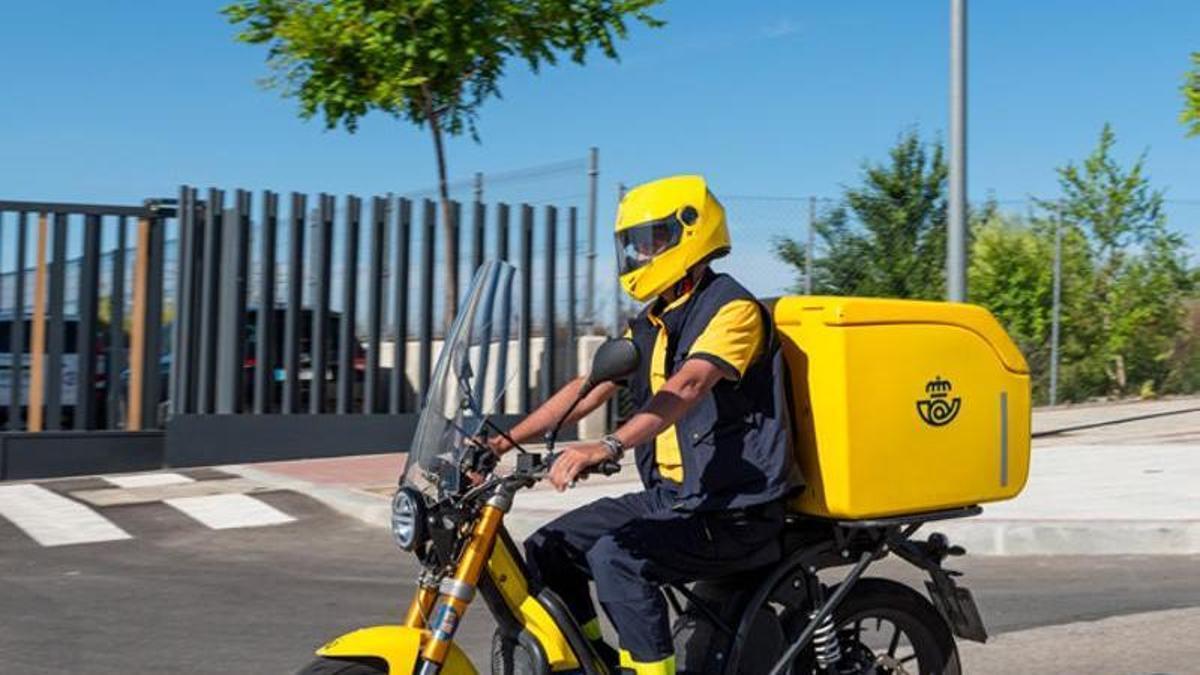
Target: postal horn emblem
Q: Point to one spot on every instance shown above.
(939, 409)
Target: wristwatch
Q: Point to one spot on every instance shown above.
(616, 449)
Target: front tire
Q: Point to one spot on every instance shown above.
(510, 657)
(327, 666)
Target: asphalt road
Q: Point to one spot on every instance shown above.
(179, 597)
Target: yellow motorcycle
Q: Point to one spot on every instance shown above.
(786, 618)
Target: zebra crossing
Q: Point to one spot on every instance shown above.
(53, 520)
(88, 511)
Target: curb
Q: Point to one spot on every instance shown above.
(368, 508)
(1073, 537)
(981, 536)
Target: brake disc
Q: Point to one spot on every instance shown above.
(891, 663)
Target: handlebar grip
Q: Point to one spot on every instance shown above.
(607, 468)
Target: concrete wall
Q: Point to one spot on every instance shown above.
(593, 426)
(48, 454)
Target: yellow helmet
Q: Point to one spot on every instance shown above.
(664, 228)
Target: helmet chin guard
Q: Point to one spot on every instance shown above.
(665, 228)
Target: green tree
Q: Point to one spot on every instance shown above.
(1185, 366)
(1008, 274)
(430, 62)
(1130, 316)
(889, 239)
(1011, 273)
(1190, 116)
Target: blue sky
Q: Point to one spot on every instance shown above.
(116, 101)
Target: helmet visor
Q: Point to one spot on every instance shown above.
(638, 245)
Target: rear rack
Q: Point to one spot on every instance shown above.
(913, 518)
(893, 521)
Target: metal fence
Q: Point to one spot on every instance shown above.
(228, 302)
(64, 363)
(342, 287)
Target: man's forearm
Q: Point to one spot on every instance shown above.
(547, 415)
(693, 380)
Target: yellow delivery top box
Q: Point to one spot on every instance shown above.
(903, 406)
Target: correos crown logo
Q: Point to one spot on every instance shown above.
(939, 409)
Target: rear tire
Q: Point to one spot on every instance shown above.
(930, 648)
(327, 666)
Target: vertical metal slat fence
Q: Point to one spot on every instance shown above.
(233, 341)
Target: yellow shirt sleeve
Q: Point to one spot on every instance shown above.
(734, 337)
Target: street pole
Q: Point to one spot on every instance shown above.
(808, 251)
(478, 187)
(617, 291)
(956, 239)
(1056, 309)
(590, 289)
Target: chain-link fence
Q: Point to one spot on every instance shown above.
(567, 185)
(779, 240)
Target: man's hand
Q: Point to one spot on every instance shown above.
(498, 444)
(481, 459)
(574, 460)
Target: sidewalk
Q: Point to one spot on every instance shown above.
(1124, 489)
(1089, 500)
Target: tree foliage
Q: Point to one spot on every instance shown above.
(1132, 311)
(430, 62)
(1190, 116)
(420, 60)
(1011, 273)
(889, 237)
(1125, 280)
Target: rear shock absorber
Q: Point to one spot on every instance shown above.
(825, 643)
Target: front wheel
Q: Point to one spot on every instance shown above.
(510, 657)
(327, 666)
(885, 627)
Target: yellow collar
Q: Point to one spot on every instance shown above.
(655, 314)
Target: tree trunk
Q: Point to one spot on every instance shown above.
(449, 228)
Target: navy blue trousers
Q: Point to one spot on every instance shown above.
(630, 545)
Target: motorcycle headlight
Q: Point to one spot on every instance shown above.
(408, 519)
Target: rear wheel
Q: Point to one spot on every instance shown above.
(325, 666)
(885, 627)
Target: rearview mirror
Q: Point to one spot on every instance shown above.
(614, 360)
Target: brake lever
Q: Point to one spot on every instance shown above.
(481, 459)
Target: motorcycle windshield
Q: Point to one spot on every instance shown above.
(474, 368)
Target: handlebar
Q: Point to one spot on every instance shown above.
(535, 466)
(531, 468)
(607, 467)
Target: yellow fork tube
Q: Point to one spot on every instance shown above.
(457, 593)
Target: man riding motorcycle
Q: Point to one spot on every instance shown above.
(711, 433)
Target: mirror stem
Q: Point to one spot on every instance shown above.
(552, 435)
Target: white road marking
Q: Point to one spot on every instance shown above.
(222, 512)
(53, 520)
(148, 479)
(115, 496)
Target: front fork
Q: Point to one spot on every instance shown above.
(446, 604)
